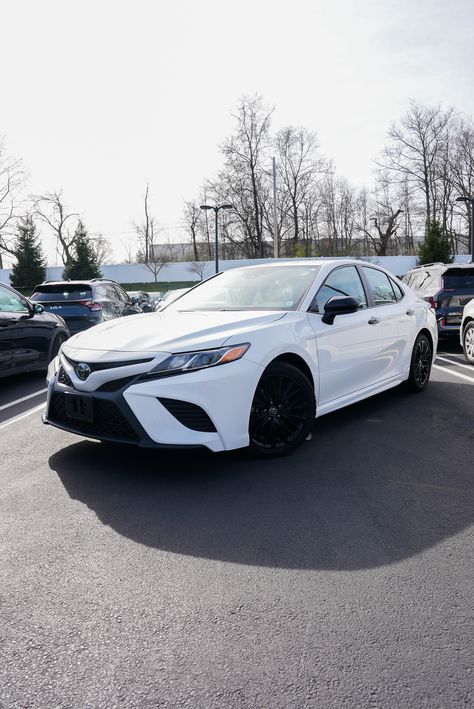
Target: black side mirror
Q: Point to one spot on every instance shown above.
(339, 305)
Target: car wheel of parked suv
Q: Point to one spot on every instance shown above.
(420, 366)
(468, 342)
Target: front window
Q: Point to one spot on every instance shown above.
(11, 303)
(343, 281)
(255, 288)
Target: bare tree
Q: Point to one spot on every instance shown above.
(51, 210)
(147, 230)
(102, 249)
(192, 218)
(298, 167)
(198, 267)
(157, 260)
(416, 144)
(12, 180)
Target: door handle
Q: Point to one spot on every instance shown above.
(410, 311)
(373, 320)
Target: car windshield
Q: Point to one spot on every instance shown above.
(255, 288)
(62, 291)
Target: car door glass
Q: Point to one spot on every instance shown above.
(397, 290)
(11, 303)
(381, 286)
(343, 281)
(122, 296)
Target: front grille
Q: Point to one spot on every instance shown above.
(190, 415)
(108, 420)
(116, 384)
(63, 378)
(97, 366)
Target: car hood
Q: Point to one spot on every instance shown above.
(172, 331)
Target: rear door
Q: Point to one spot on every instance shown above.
(349, 350)
(397, 318)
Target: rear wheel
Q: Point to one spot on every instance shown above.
(468, 342)
(283, 411)
(420, 366)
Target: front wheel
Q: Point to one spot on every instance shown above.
(468, 342)
(420, 365)
(283, 411)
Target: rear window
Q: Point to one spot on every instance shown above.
(62, 291)
(459, 278)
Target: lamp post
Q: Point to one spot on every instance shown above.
(216, 209)
(470, 200)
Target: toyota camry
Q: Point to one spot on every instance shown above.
(248, 358)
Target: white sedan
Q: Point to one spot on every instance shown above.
(247, 358)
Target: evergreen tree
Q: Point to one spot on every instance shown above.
(435, 247)
(30, 266)
(83, 263)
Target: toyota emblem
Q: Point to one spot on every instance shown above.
(83, 370)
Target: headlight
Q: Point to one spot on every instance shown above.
(202, 359)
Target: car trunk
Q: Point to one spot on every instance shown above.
(457, 290)
(72, 302)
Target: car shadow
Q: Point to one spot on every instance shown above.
(378, 482)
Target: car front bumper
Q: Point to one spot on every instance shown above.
(209, 408)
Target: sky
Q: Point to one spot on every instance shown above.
(100, 97)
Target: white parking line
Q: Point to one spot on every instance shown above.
(23, 398)
(455, 374)
(458, 364)
(22, 416)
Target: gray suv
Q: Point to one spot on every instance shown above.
(447, 287)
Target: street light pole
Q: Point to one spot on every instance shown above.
(216, 209)
(470, 200)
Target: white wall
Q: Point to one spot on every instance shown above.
(136, 273)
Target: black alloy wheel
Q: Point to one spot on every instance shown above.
(283, 411)
(420, 367)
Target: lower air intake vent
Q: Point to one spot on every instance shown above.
(190, 415)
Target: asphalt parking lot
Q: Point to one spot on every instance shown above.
(338, 577)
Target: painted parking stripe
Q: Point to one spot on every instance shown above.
(23, 398)
(458, 364)
(22, 416)
(446, 370)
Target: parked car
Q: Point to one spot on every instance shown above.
(170, 296)
(447, 288)
(247, 358)
(156, 297)
(467, 331)
(83, 304)
(29, 337)
(142, 299)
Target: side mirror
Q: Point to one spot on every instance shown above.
(339, 305)
(37, 308)
(135, 300)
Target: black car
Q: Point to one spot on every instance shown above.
(29, 337)
(448, 287)
(83, 304)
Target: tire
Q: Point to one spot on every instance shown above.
(420, 365)
(468, 342)
(283, 411)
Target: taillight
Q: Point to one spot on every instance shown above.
(90, 304)
(432, 300)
